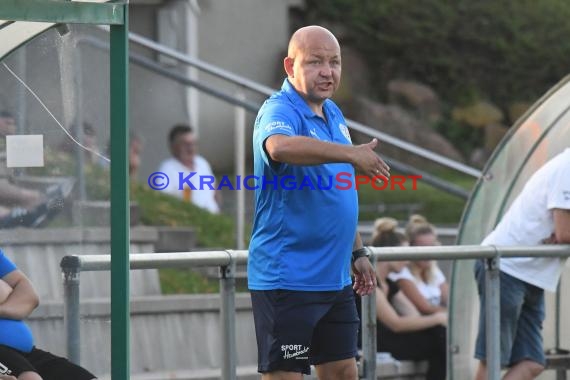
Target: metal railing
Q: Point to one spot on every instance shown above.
(72, 266)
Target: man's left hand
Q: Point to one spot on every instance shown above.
(364, 276)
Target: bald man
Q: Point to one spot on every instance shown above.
(306, 215)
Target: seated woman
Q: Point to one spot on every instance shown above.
(407, 334)
(422, 281)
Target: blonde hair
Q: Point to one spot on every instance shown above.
(418, 225)
(385, 234)
(427, 276)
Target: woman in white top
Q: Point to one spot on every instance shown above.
(401, 329)
(422, 281)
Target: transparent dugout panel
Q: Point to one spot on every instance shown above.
(55, 175)
(538, 136)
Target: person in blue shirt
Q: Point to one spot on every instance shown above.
(19, 358)
(305, 224)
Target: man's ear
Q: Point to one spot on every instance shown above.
(288, 65)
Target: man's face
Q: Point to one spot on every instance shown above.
(135, 150)
(317, 68)
(184, 148)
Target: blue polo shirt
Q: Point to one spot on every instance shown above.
(303, 229)
(15, 334)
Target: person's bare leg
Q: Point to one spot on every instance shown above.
(524, 370)
(481, 373)
(29, 376)
(18, 196)
(338, 370)
(282, 375)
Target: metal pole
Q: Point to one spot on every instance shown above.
(119, 104)
(560, 373)
(240, 116)
(368, 311)
(227, 319)
(71, 317)
(80, 135)
(492, 320)
(22, 121)
(557, 320)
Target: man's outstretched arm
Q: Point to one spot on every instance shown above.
(301, 150)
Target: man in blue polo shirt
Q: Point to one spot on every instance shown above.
(303, 236)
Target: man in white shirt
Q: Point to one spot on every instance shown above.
(189, 170)
(539, 215)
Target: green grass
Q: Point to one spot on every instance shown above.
(189, 281)
(183, 281)
(159, 209)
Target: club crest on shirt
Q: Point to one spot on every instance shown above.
(344, 130)
(566, 195)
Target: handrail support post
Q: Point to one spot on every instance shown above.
(71, 270)
(367, 369)
(492, 316)
(227, 318)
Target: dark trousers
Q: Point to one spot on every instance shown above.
(429, 344)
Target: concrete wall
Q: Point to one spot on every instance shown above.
(38, 253)
(246, 37)
(168, 333)
(249, 38)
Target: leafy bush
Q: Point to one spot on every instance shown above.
(504, 50)
(464, 138)
(183, 281)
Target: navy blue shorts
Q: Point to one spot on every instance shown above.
(46, 364)
(295, 329)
